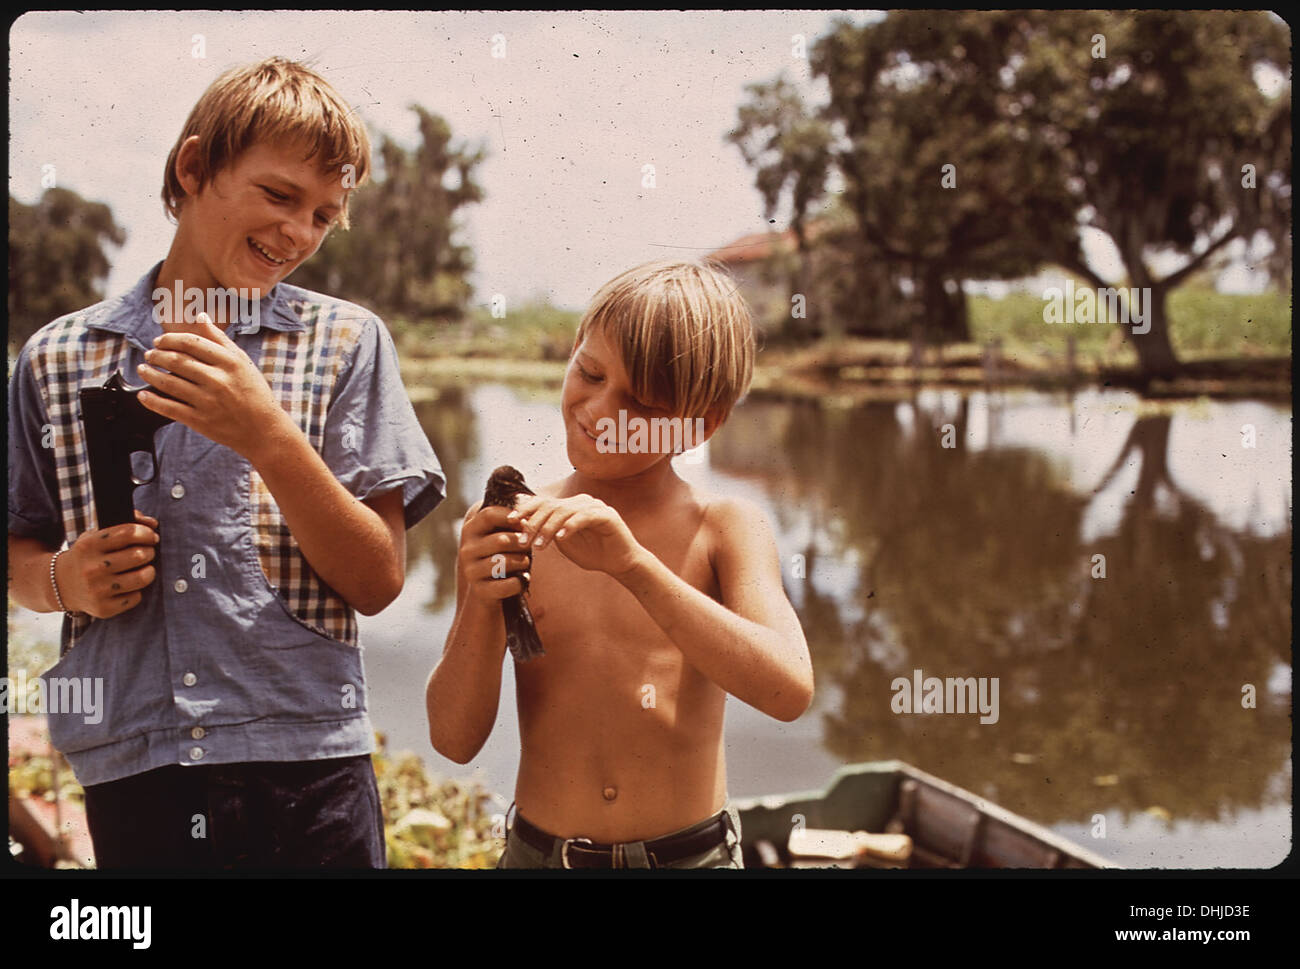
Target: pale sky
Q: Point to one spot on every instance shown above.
(580, 103)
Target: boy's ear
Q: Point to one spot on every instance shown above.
(188, 169)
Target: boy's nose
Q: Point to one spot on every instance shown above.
(297, 232)
(591, 419)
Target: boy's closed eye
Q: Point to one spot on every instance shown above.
(593, 377)
(279, 198)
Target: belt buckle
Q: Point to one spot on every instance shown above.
(564, 849)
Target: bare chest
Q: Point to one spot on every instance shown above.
(591, 625)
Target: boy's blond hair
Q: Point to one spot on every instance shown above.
(683, 331)
(275, 100)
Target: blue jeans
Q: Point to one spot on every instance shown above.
(296, 814)
(520, 854)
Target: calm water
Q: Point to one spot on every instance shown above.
(1118, 697)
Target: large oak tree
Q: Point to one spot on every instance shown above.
(977, 145)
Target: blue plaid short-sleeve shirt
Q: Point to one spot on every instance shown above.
(238, 650)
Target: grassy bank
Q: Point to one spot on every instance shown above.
(1231, 345)
(1203, 323)
(533, 332)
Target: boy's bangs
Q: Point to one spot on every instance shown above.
(660, 373)
(647, 353)
(683, 333)
(311, 124)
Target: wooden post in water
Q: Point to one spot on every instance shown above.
(1070, 374)
(992, 361)
(918, 351)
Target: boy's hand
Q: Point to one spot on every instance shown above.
(105, 570)
(491, 560)
(220, 393)
(591, 534)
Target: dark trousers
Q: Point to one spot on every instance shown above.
(300, 814)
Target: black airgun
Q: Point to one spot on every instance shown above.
(117, 426)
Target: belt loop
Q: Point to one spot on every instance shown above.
(634, 855)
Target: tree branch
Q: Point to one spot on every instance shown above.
(1174, 279)
(1075, 263)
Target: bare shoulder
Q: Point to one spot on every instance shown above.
(734, 522)
(730, 511)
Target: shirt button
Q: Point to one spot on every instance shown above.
(189, 679)
(178, 490)
(197, 733)
(196, 753)
(181, 585)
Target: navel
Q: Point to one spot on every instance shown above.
(610, 792)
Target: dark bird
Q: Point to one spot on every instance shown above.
(503, 487)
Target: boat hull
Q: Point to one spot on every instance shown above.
(949, 826)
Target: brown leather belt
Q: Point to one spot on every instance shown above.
(582, 853)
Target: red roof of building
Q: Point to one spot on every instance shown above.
(753, 248)
(760, 245)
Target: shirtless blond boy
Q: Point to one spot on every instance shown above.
(653, 601)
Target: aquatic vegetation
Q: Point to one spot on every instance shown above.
(432, 822)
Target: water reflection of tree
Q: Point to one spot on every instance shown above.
(449, 422)
(972, 565)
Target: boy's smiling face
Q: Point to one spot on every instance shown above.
(596, 387)
(256, 220)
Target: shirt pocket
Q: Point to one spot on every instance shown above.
(305, 597)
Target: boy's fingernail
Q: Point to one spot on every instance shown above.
(560, 533)
(539, 542)
(203, 318)
(523, 538)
